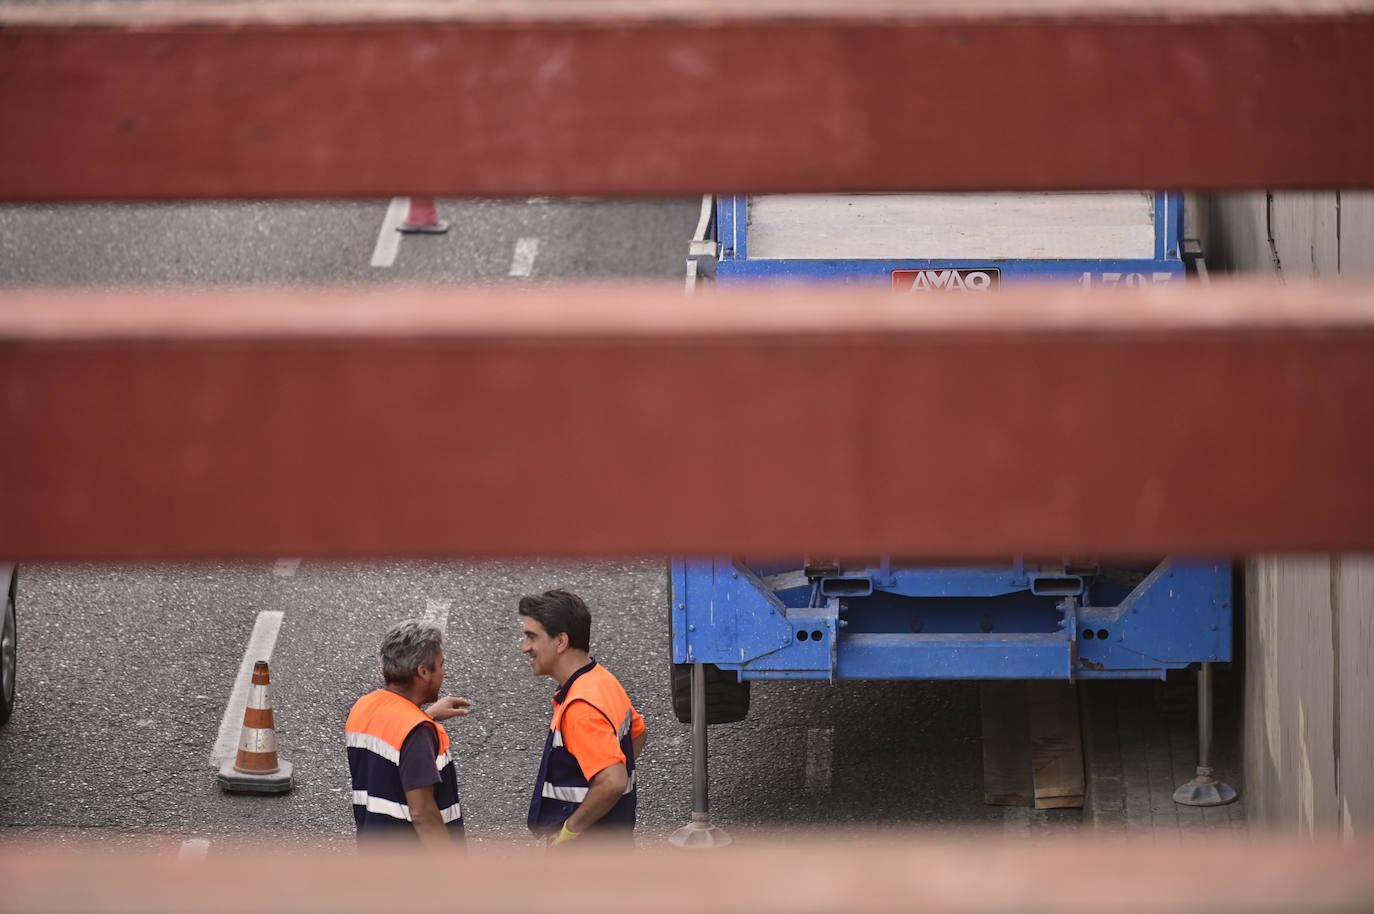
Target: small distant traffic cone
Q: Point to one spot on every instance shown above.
(423, 218)
(256, 769)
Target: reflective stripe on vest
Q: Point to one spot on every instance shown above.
(376, 729)
(578, 794)
(560, 786)
(398, 810)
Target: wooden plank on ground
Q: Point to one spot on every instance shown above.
(1007, 773)
(1056, 746)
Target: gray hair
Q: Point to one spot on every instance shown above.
(407, 646)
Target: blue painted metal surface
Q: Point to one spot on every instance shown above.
(733, 617)
(1178, 613)
(879, 272)
(783, 619)
(956, 656)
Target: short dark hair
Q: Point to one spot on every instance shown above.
(560, 611)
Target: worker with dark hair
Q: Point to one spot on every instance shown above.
(587, 775)
(403, 777)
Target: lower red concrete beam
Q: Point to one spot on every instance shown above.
(894, 872)
(584, 420)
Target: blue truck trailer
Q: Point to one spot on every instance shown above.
(737, 619)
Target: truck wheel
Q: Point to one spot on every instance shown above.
(8, 654)
(727, 699)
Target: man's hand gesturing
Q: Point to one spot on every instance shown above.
(448, 707)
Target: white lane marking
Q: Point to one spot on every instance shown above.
(193, 849)
(522, 264)
(436, 611)
(537, 201)
(704, 219)
(260, 645)
(285, 568)
(388, 239)
(820, 753)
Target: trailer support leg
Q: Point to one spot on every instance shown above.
(699, 834)
(1204, 790)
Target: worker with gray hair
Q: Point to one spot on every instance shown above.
(398, 755)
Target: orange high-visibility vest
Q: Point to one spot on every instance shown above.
(560, 786)
(377, 727)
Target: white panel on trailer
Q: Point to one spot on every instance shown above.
(996, 226)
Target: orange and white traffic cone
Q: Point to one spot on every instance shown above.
(423, 218)
(256, 768)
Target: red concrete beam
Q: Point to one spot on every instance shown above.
(604, 420)
(976, 871)
(138, 101)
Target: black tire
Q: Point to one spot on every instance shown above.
(727, 699)
(9, 652)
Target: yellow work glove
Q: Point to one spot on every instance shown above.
(563, 836)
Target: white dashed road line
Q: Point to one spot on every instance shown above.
(194, 848)
(388, 239)
(522, 264)
(285, 568)
(260, 645)
(820, 755)
(436, 611)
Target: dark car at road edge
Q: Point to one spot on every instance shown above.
(9, 576)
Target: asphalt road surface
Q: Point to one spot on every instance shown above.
(125, 671)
